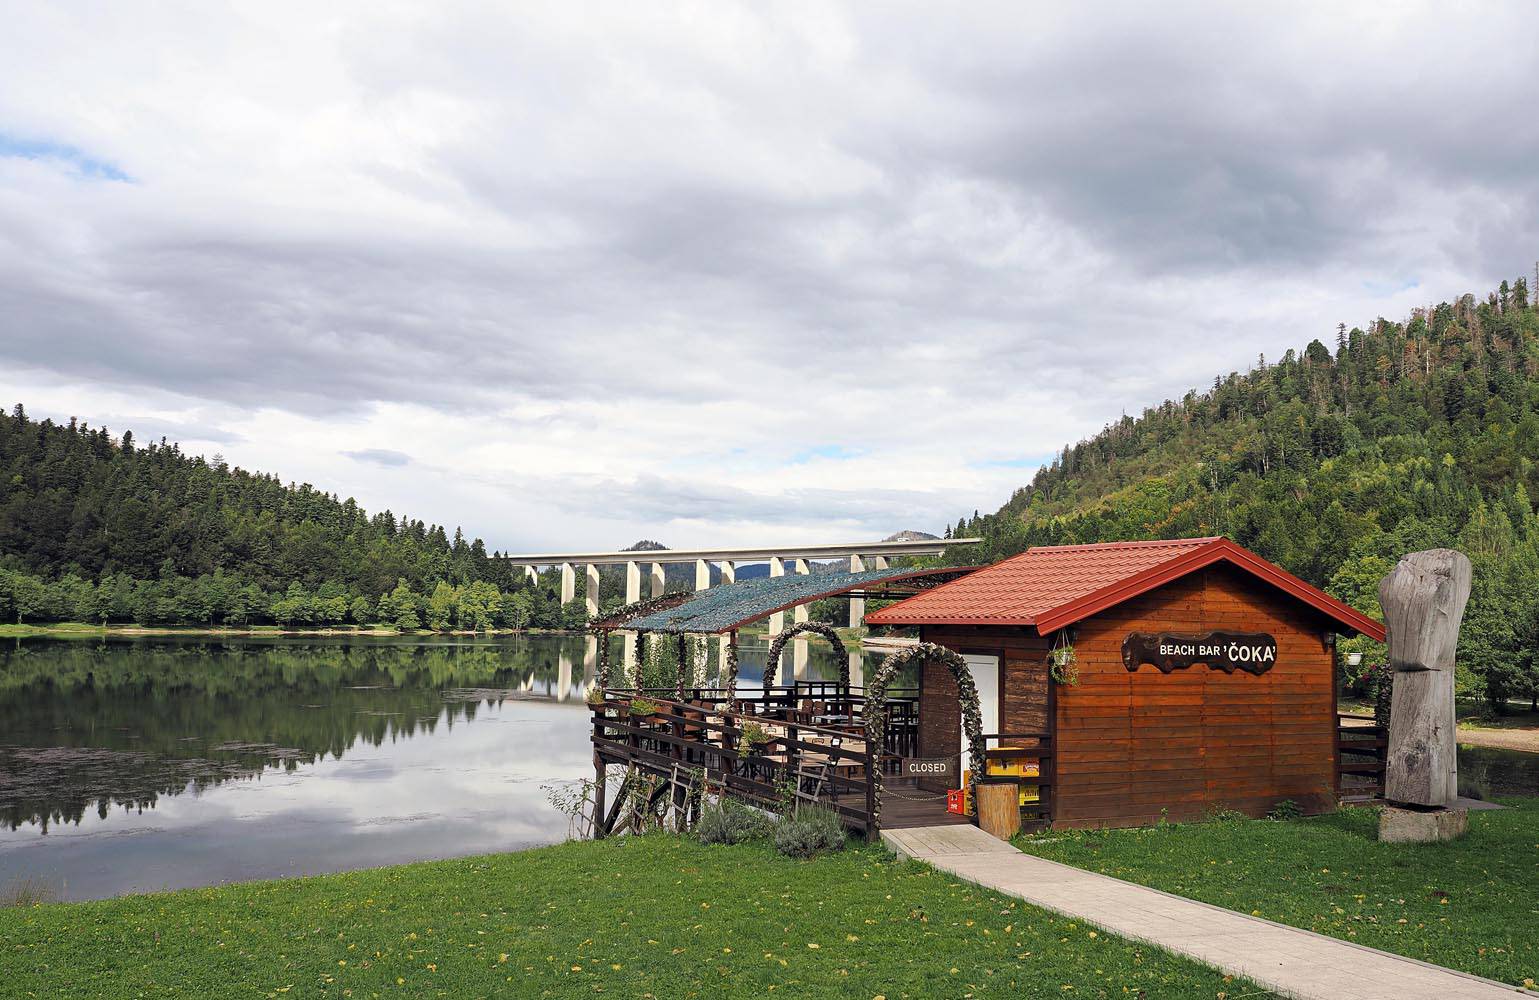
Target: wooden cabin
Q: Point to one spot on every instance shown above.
(1201, 677)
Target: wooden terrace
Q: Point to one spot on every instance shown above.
(804, 743)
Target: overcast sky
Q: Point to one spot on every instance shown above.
(579, 274)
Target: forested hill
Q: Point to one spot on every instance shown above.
(1333, 462)
(94, 527)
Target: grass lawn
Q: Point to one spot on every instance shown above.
(1471, 905)
(657, 916)
(14, 631)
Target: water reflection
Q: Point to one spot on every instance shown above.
(146, 764)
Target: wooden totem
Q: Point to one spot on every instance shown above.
(1423, 600)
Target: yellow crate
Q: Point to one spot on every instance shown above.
(1014, 768)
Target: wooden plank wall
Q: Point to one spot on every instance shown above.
(1133, 747)
(1023, 688)
(940, 721)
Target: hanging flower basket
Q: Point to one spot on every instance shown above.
(1063, 663)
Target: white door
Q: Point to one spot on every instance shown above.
(985, 671)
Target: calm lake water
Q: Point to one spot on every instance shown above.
(138, 765)
(131, 766)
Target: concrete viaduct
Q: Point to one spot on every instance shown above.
(861, 556)
(797, 558)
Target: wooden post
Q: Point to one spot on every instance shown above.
(600, 776)
(1423, 600)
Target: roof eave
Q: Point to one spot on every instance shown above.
(1220, 550)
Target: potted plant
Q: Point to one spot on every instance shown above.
(1063, 662)
(594, 696)
(754, 736)
(644, 708)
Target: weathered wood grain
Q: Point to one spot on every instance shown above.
(1424, 598)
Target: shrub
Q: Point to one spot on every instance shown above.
(1286, 809)
(27, 891)
(813, 829)
(728, 821)
(1222, 814)
(645, 706)
(755, 735)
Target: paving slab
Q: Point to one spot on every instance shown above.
(1289, 960)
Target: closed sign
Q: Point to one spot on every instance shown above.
(1252, 652)
(929, 767)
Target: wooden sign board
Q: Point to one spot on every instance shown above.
(929, 767)
(1252, 652)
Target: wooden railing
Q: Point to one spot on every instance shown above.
(1361, 748)
(809, 703)
(705, 739)
(1016, 752)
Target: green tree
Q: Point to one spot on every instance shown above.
(480, 604)
(518, 609)
(402, 607)
(440, 607)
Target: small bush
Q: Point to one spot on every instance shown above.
(1284, 810)
(814, 829)
(728, 821)
(1221, 814)
(754, 735)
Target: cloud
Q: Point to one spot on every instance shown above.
(380, 456)
(725, 272)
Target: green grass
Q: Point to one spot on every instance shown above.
(1472, 904)
(657, 916)
(14, 631)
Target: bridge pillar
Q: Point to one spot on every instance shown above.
(659, 579)
(878, 562)
(563, 675)
(702, 575)
(728, 575)
(857, 604)
(799, 613)
(592, 592)
(531, 574)
(777, 621)
(632, 595)
(568, 583)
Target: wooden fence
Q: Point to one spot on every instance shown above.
(1361, 748)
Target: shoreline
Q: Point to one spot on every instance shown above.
(78, 630)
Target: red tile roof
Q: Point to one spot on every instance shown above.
(1051, 586)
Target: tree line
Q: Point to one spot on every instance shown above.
(1333, 463)
(98, 528)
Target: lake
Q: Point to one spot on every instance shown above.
(138, 765)
(147, 764)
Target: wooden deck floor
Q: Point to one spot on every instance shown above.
(904, 806)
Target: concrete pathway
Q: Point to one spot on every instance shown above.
(1293, 962)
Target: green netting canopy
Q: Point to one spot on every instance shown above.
(732, 605)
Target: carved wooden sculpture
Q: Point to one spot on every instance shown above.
(1423, 600)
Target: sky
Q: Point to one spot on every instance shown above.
(572, 275)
